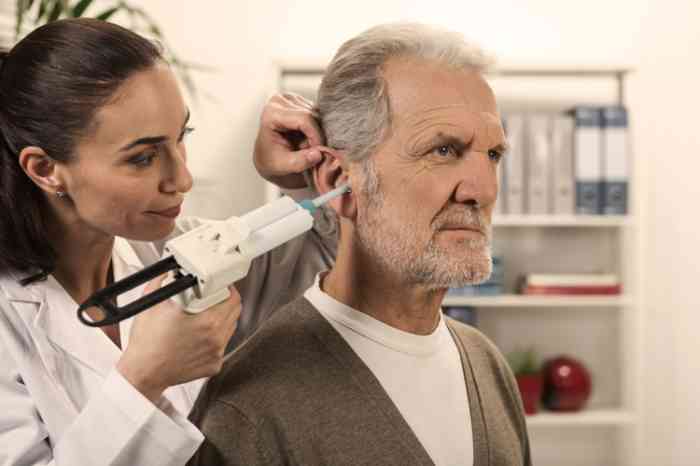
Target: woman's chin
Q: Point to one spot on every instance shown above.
(151, 233)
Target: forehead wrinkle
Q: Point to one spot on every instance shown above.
(428, 129)
(429, 111)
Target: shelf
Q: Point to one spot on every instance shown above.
(580, 221)
(515, 300)
(592, 418)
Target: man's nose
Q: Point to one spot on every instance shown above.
(478, 183)
(177, 177)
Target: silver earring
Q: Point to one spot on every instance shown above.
(61, 194)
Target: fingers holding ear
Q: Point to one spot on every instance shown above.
(332, 172)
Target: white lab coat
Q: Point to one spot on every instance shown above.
(61, 400)
(62, 403)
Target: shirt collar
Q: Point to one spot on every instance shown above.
(373, 329)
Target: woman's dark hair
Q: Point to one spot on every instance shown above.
(52, 83)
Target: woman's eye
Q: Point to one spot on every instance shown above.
(185, 132)
(144, 159)
(495, 155)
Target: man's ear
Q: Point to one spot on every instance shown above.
(331, 173)
(42, 169)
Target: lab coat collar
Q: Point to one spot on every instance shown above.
(56, 314)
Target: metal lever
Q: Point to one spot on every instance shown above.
(106, 298)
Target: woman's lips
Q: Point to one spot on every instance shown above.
(170, 213)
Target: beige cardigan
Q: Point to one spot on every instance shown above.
(297, 394)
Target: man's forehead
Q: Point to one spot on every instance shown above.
(417, 86)
(446, 114)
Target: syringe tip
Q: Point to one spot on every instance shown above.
(308, 205)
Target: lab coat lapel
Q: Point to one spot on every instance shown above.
(36, 357)
(57, 317)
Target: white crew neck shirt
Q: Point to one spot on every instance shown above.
(422, 374)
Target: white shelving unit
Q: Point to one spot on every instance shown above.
(604, 332)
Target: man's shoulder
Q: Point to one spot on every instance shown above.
(283, 360)
(287, 333)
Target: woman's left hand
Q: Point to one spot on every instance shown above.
(289, 141)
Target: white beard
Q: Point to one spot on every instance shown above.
(399, 251)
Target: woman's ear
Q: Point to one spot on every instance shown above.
(331, 173)
(42, 169)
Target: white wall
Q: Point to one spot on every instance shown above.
(659, 38)
(664, 99)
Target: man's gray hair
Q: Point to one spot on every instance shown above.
(353, 103)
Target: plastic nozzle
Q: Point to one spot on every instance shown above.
(312, 204)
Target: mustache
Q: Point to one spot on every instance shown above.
(466, 217)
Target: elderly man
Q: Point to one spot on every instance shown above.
(365, 369)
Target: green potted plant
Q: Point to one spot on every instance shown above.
(31, 14)
(528, 375)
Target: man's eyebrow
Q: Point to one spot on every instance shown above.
(443, 138)
(152, 140)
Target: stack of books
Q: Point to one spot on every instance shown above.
(570, 284)
(565, 163)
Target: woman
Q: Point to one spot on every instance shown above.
(92, 129)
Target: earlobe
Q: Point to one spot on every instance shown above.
(41, 169)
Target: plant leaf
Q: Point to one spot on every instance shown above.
(19, 16)
(105, 15)
(80, 8)
(42, 10)
(56, 11)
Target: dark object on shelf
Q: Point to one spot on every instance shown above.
(567, 384)
(528, 375)
(530, 386)
(464, 314)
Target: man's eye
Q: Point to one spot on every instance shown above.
(495, 155)
(185, 132)
(445, 150)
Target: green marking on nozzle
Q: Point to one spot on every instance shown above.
(312, 204)
(308, 205)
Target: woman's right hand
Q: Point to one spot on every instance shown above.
(288, 142)
(168, 346)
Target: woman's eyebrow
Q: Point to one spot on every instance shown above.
(151, 140)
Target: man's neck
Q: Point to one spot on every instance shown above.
(359, 281)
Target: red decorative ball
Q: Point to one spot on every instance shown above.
(567, 384)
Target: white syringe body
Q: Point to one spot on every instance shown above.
(219, 253)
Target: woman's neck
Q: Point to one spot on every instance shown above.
(83, 256)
